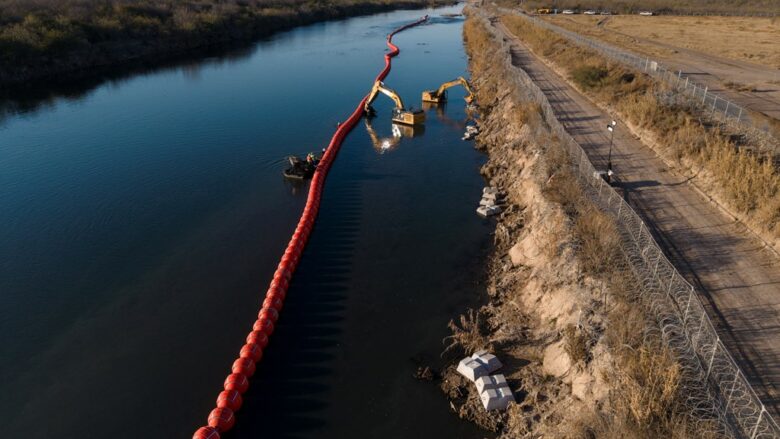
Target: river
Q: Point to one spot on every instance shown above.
(142, 220)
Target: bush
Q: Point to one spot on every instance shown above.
(589, 76)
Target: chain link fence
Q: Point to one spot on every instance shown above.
(696, 95)
(715, 387)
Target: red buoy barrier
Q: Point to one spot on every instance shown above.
(237, 381)
(244, 366)
(252, 351)
(206, 433)
(230, 399)
(222, 419)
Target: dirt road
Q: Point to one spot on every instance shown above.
(736, 277)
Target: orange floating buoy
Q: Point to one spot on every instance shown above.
(206, 433)
(251, 351)
(257, 337)
(280, 282)
(229, 399)
(273, 302)
(268, 313)
(237, 382)
(245, 366)
(264, 324)
(222, 419)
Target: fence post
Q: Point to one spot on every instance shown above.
(712, 359)
(760, 415)
(704, 99)
(726, 111)
(688, 306)
(733, 387)
(739, 118)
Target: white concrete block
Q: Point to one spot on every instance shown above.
(497, 399)
(486, 211)
(487, 202)
(471, 369)
(489, 361)
(490, 382)
(490, 190)
(490, 196)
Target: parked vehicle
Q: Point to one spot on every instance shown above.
(606, 13)
(567, 12)
(590, 12)
(646, 13)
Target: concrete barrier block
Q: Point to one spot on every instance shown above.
(471, 369)
(490, 190)
(487, 202)
(486, 211)
(488, 382)
(497, 399)
(489, 361)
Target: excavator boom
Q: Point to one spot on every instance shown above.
(400, 113)
(440, 95)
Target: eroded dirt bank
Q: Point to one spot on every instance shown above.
(579, 352)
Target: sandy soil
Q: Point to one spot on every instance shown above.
(738, 58)
(736, 276)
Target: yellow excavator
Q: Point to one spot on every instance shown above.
(440, 95)
(400, 113)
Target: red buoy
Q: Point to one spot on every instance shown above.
(264, 324)
(237, 382)
(229, 399)
(206, 433)
(251, 351)
(273, 302)
(257, 337)
(268, 313)
(222, 419)
(245, 366)
(276, 290)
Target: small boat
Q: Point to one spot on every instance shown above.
(300, 169)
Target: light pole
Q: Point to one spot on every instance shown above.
(611, 129)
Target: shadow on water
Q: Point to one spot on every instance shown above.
(303, 345)
(39, 95)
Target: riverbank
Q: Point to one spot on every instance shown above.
(581, 354)
(65, 41)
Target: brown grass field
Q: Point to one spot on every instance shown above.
(750, 39)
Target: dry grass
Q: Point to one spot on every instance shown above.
(699, 7)
(646, 395)
(751, 39)
(748, 183)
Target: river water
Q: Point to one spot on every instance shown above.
(142, 220)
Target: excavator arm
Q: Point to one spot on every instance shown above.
(400, 113)
(379, 87)
(440, 95)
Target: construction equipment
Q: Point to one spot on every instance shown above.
(440, 95)
(400, 113)
(544, 11)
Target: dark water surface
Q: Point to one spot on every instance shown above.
(142, 221)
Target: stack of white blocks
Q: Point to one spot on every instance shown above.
(488, 206)
(493, 389)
